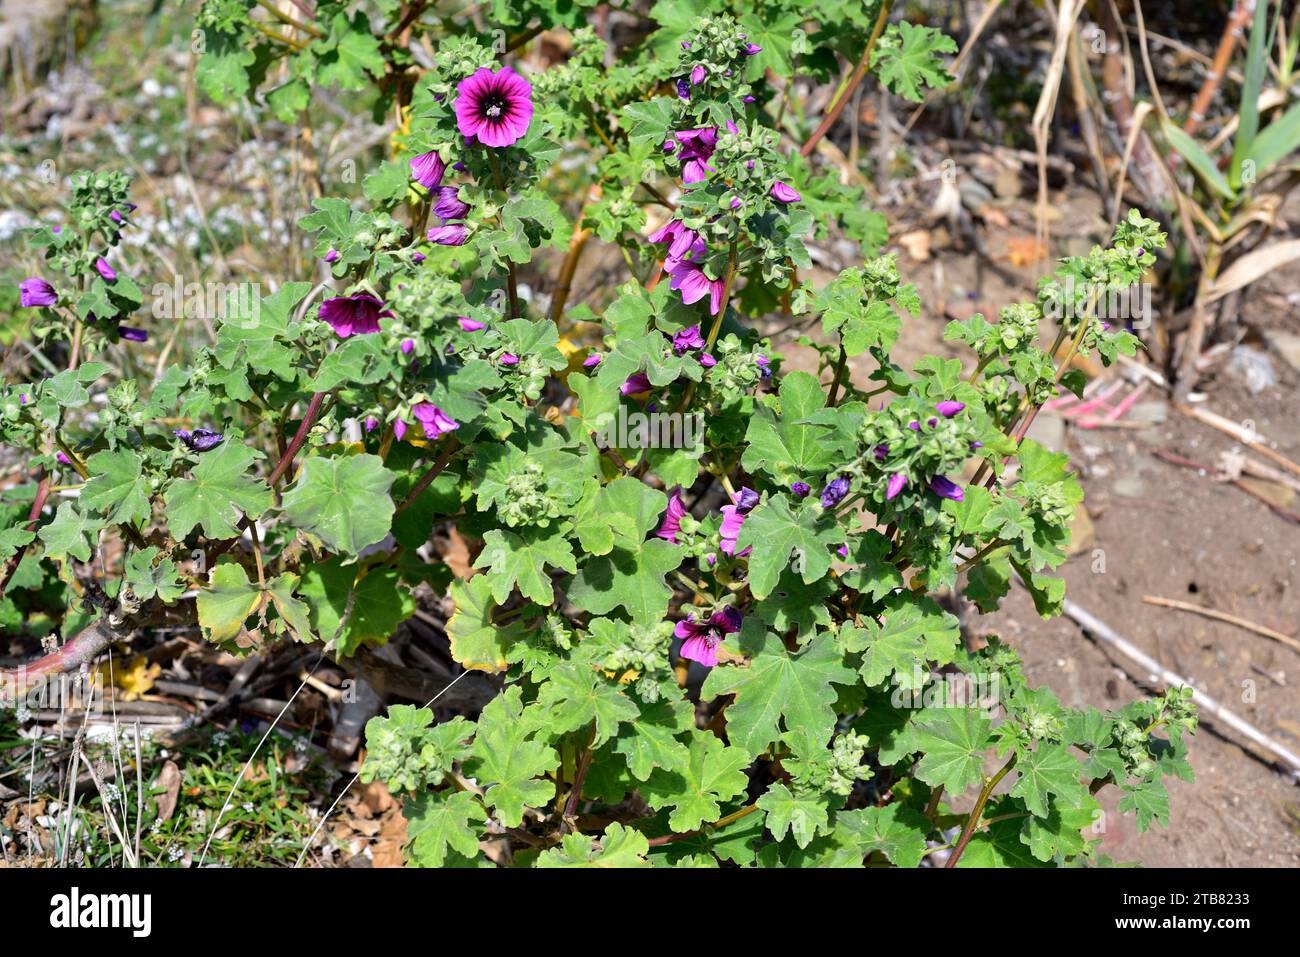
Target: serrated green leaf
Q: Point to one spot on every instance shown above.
(343, 501)
(218, 494)
(508, 761)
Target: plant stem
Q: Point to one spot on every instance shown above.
(974, 818)
(846, 93)
(427, 478)
(839, 373)
(300, 437)
(720, 823)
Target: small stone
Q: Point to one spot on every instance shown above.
(1286, 345)
(1130, 486)
(1082, 534)
(1048, 430)
(1154, 411)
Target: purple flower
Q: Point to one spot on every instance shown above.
(698, 73)
(672, 522)
(636, 382)
(471, 325)
(731, 127)
(35, 291)
(427, 169)
(22, 398)
(695, 285)
(764, 366)
(733, 520)
(689, 338)
(707, 360)
(945, 487)
(449, 204)
(105, 270)
(684, 89)
(783, 193)
(880, 451)
(950, 408)
(897, 482)
(435, 421)
(133, 334)
(407, 346)
(198, 440)
(834, 492)
(914, 425)
(353, 315)
(332, 255)
(800, 489)
(697, 146)
(115, 216)
(370, 423)
(736, 203)
(682, 242)
(592, 360)
(63, 459)
(702, 638)
(399, 429)
(496, 108)
(417, 257)
(748, 99)
(509, 359)
(842, 551)
(976, 445)
(751, 49)
(454, 234)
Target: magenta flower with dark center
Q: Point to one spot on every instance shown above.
(104, 269)
(435, 421)
(783, 193)
(427, 169)
(672, 523)
(449, 204)
(949, 408)
(834, 492)
(688, 338)
(945, 487)
(133, 334)
(353, 315)
(701, 638)
(800, 489)
(471, 325)
(636, 383)
(897, 482)
(198, 440)
(35, 291)
(496, 108)
(454, 234)
(695, 285)
(696, 148)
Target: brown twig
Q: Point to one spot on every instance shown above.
(973, 818)
(846, 94)
(1231, 30)
(1223, 616)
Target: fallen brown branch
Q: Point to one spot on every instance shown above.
(1153, 672)
(1222, 616)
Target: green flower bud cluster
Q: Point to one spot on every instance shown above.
(737, 371)
(406, 754)
(527, 500)
(1048, 500)
(1131, 742)
(837, 771)
(717, 45)
(642, 652)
